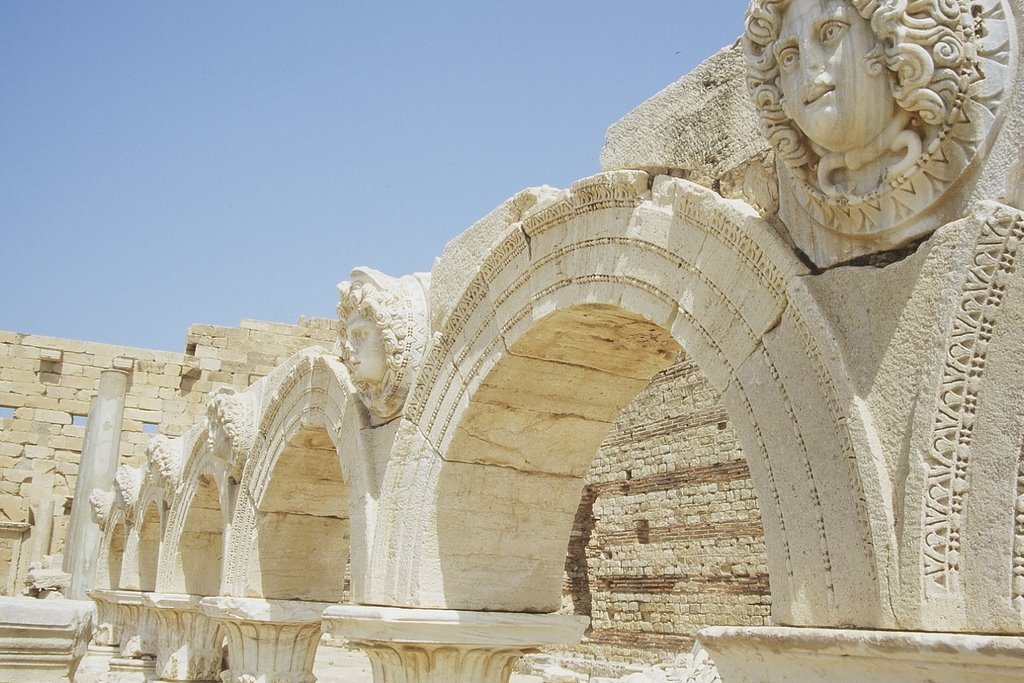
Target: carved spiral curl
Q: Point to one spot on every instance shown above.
(925, 51)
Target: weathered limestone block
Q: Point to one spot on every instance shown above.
(269, 641)
(440, 646)
(807, 655)
(703, 126)
(43, 640)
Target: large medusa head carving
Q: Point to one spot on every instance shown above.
(383, 334)
(875, 107)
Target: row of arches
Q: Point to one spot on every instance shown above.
(466, 501)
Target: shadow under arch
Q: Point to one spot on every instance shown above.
(111, 555)
(142, 550)
(640, 272)
(292, 524)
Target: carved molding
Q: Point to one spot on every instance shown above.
(948, 456)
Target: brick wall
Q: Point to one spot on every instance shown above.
(47, 384)
(668, 536)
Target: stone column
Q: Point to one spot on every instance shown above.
(100, 453)
(269, 641)
(445, 646)
(42, 529)
(188, 642)
(779, 653)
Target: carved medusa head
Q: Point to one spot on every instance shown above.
(856, 94)
(382, 337)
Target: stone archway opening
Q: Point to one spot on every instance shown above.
(303, 526)
(668, 537)
(514, 473)
(200, 553)
(109, 575)
(142, 550)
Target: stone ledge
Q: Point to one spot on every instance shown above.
(406, 625)
(774, 653)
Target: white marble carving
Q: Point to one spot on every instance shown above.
(875, 109)
(164, 464)
(101, 502)
(232, 427)
(127, 487)
(383, 335)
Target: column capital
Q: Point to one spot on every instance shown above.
(441, 646)
(268, 640)
(188, 642)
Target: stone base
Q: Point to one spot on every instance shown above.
(43, 640)
(774, 654)
(445, 646)
(130, 670)
(95, 663)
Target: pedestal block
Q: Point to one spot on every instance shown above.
(446, 646)
(269, 641)
(188, 642)
(771, 654)
(43, 640)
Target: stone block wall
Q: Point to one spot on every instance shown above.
(47, 385)
(668, 536)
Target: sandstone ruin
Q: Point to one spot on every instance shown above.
(810, 241)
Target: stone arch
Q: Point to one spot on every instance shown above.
(615, 261)
(292, 522)
(142, 548)
(111, 555)
(192, 554)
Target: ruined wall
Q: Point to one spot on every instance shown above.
(668, 536)
(47, 384)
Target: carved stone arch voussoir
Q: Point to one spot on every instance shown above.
(654, 269)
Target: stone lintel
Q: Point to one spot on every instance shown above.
(776, 653)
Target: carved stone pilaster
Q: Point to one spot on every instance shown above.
(268, 640)
(439, 646)
(187, 641)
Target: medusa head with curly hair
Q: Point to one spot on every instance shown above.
(382, 337)
(864, 101)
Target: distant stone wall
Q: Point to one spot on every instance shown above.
(47, 384)
(668, 536)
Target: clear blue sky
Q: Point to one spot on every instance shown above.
(164, 163)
